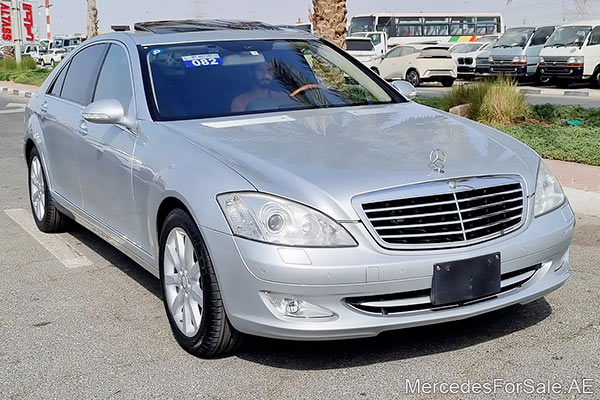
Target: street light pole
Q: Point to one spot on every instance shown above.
(17, 31)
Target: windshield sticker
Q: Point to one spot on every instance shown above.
(202, 60)
(254, 53)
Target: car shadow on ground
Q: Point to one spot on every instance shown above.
(116, 258)
(388, 346)
(394, 345)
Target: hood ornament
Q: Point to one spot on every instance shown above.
(437, 160)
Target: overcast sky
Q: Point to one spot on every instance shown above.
(69, 16)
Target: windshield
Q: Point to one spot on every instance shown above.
(362, 24)
(201, 80)
(568, 36)
(359, 45)
(466, 47)
(515, 37)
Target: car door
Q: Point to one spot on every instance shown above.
(60, 110)
(388, 65)
(106, 157)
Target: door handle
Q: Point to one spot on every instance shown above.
(83, 128)
(44, 107)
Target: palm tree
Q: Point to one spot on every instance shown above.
(329, 20)
(92, 18)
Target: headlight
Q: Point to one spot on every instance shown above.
(542, 61)
(548, 193)
(275, 220)
(520, 60)
(491, 59)
(575, 61)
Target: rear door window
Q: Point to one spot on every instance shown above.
(83, 72)
(56, 87)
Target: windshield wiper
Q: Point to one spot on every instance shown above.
(556, 45)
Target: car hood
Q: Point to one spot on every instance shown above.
(325, 157)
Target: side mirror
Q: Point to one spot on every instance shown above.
(405, 88)
(109, 111)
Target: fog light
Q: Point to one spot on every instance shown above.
(291, 306)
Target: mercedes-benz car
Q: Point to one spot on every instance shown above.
(277, 187)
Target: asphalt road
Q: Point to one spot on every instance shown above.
(436, 90)
(99, 331)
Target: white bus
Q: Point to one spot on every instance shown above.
(429, 27)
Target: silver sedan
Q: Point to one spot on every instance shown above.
(279, 188)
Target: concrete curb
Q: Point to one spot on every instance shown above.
(560, 92)
(584, 202)
(16, 92)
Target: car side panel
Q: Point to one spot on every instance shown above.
(167, 165)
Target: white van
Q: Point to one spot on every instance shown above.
(572, 53)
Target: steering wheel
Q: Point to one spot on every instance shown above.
(302, 89)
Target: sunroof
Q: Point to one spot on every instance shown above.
(200, 26)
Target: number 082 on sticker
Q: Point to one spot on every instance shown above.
(202, 60)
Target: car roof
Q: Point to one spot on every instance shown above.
(594, 22)
(183, 31)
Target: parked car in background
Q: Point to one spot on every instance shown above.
(517, 53)
(33, 51)
(53, 57)
(482, 61)
(465, 56)
(416, 64)
(379, 39)
(361, 48)
(573, 54)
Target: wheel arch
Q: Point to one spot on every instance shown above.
(168, 204)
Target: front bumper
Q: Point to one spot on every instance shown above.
(563, 72)
(509, 70)
(328, 277)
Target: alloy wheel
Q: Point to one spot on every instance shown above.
(37, 188)
(181, 280)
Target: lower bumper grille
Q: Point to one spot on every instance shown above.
(395, 303)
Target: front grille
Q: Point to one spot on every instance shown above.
(468, 60)
(556, 61)
(474, 211)
(460, 60)
(418, 300)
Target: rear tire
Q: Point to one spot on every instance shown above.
(541, 80)
(43, 207)
(191, 293)
(412, 77)
(447, 82)
(596, 78)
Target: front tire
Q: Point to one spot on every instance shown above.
(413, 78)
(191, 293)
(43, 207)
(596, 78)
(447, 82)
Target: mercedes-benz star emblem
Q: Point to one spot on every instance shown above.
(437, 160)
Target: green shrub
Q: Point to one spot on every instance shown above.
(8, 64)
(494, 101)
(502, 104)
(28, 63)
(555, 113)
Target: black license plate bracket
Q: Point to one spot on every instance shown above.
(459, 281)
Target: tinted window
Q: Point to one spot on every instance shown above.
(595, 37)
(359, 45)
(82, 74)
(114, 81)
(541, 35)
(395, 52)
(56, 87)
(200, 80)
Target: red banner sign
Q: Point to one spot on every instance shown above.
(28, 22)
(5, 15)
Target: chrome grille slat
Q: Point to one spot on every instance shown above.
(439, 214)
(409, 206)
(492, 224)
(414, 215)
